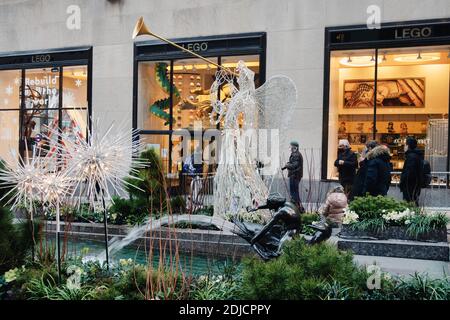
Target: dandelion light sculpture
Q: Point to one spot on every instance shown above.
(23, 178)
(101, 163)
(54, 187)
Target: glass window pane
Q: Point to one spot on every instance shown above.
(351, 101)
(251, 61)
(75, 87)
(10, 82)
(412, 100)
(192, 103)
(74, 123)
(9, 134)
(160, 143)
(35, 127)
(153, 96)
(42, 88)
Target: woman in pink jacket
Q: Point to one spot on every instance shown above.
(334, 206)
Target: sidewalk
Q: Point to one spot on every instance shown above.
(401, 266)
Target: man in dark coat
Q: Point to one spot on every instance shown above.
(378, 176)
(360, 177)
(346, 164)
(295, 173)
(412, 173)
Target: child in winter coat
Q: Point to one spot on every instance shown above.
(333, 208)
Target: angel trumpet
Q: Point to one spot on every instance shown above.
(141, 29)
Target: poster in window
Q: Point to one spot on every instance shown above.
(404, 92)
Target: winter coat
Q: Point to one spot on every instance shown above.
(378, 175)
(295, 165)
(348, 169)
(358, 184)
(411, 177)
(334, 207)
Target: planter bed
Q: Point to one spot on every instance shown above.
(393, 232)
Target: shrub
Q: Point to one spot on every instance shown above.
(300, 273)
(370, 207)
(128, 211)
(15, 241)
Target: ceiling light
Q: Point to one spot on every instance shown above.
(384, 57)
(359, 61)
(420, 57)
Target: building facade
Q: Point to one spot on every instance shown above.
(63, 60)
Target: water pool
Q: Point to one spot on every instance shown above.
(188, 263)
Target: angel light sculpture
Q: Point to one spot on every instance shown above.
(237, 183)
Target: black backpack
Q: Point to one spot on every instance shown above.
(426, 174)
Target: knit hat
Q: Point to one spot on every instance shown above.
(294, 144)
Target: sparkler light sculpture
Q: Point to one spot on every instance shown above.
(22, 179)
(102, 162)
(31, 179)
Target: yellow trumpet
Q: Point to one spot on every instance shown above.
(141, 29)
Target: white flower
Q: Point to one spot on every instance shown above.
(349, 217)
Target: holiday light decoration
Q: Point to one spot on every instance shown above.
(237, 183)
(101, 163)
(23, 179)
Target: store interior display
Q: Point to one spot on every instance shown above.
(411, 95)
(190, 104)
(41, 101)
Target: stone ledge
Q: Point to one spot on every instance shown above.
(397, 248)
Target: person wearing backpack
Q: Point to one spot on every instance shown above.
(412, 177)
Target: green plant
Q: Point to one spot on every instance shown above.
(149, 184)
(421, 224)
(421, 287)
(214, 287)
(299, 273)
(370, 207)
(15, 241)
(371, 225)
(418, 286)
(129, 211)
(46, 288)
(334, 291)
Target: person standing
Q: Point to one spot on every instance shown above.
(346, 164)
(378, 175)
(412, 173)
(295, 173)
(357, 189)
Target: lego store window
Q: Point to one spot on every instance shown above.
(174, 95)
(44, 108)
(408, 97)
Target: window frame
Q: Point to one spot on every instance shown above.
(221, 46)
(57, 58)
(374, 39)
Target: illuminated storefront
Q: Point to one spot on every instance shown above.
(171, 90)
(385, 85)
(39, 90)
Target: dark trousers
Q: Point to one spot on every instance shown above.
(295, 192)
(412, 195)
